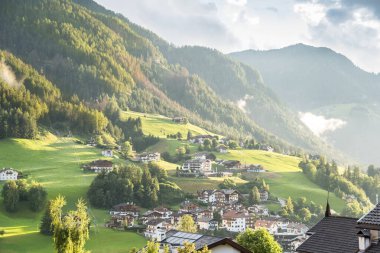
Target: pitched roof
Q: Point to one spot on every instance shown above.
(101, 163)
(178, 238)
(154, 222)
(371, 219)
(332, 234)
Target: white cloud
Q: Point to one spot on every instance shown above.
(242, 103)
(7, 75)
(319, 124)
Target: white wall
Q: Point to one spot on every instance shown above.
(224, 249)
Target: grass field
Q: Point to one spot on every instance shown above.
(284, 176)
(161, 126)
(54, 162)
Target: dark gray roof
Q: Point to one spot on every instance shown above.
(371, 219)
(178, 238)
(332, 234)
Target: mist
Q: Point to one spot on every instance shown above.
(319, 124)
(8, 76)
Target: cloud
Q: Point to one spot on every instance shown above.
(319, 124)
(350, 27)
(8, 76)
(242, 103)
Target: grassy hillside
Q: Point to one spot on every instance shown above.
(284, 176)
(162, 126)
(55, 163)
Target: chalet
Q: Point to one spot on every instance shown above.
(175, 239)
(222, 196)
(156, 230)
(99, 166)
(8, 174)
(343, 234)
(204, 223)
(107, 153)
(188, 207)
(205, 214)
(125, 209)
(120, 221)
(197, 166)
(259, 210)
(180, 120)
(270, 225)
(232, 164)
(166, 213)
(234, 221)
(149, 157)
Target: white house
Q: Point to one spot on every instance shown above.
(156, 230)
(234, 221)
(198, 166)
(270, 225)
(99, 166)
(202, 156)
(107, 153)
(8, 174)
(149, 157)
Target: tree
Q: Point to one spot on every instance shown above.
(126, 148)
(254, 196)
(227, 184)
(289, 206)
(305, 214)
(352, 209)
(189, 135)
(232, 145)
(151, 247)
(187, 224)
(37, 197)
(190, 248)
(22, 186)
(46, 221)
(11, 196)
(71, 231)
(258, 241)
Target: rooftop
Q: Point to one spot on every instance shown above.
(371, 219)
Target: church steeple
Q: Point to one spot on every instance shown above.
(328, 210)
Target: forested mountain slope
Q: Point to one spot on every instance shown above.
(96, 58)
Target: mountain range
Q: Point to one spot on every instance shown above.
(95, 59)
(330, 89)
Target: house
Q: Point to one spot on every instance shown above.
(149, 157)
(234, 221)
(270, 225)
(8, 174)
(175, 239)
(256, 168)
(201, 156)
(204, 223)
(99, 166)
(264, 195)
(165, 213)
(259, 210)
(222, 149)
(180, 120)
(197, 166)
(222, 196)
(344, 234)
(156, 230)
(232, 164)
(266, 148)
(188, 207)
(120, 221)
(107, 153)
(125, 209)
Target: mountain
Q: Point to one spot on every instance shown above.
(325, 83)
(101, 61)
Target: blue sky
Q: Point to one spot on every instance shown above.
(350, 27)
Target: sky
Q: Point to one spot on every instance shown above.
(349, 27)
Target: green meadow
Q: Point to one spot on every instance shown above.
(284, 176)
(55, 162)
